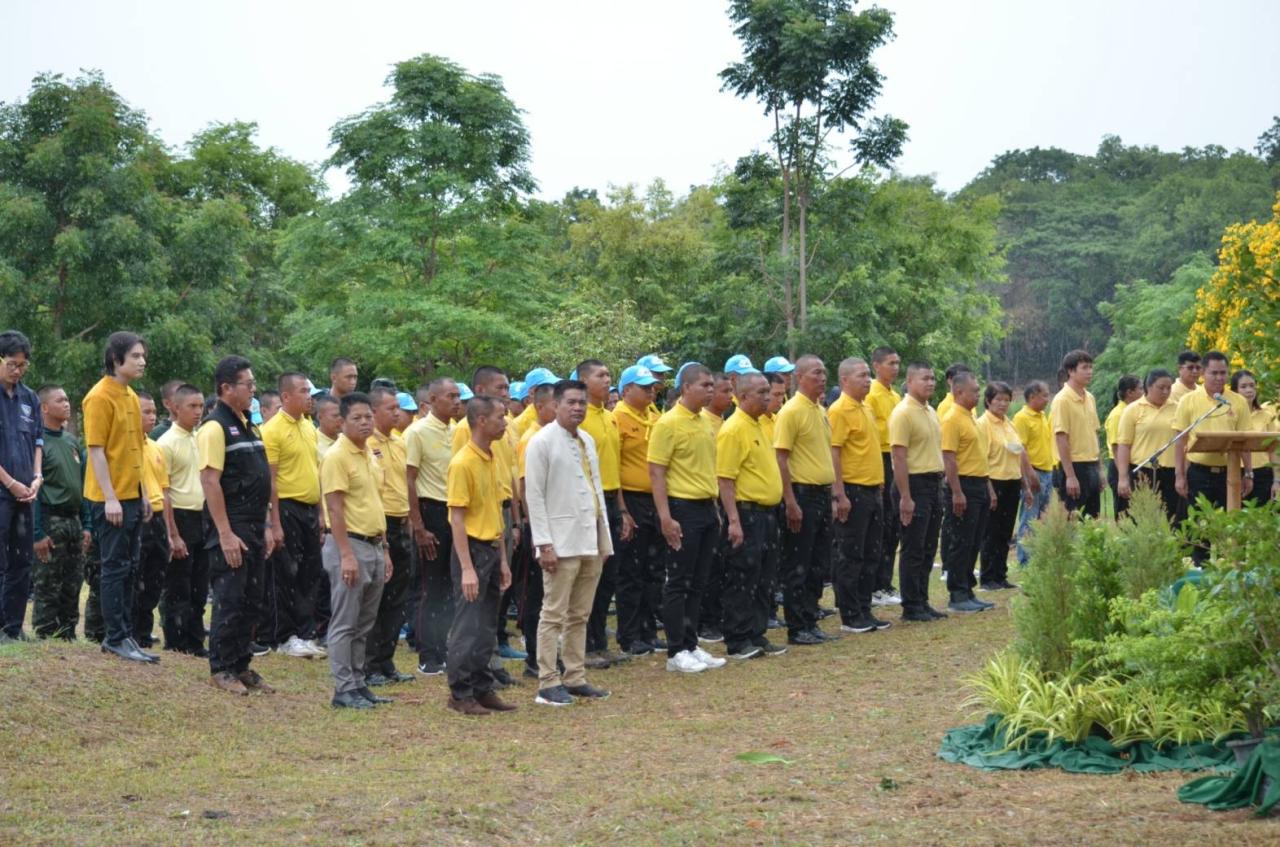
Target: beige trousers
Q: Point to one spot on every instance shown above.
(567, 596)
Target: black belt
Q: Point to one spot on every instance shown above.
(749, 506)
(1209, 468)
(808, 486)
(926, 476)
(486, 543)
(863, 487)
(692, 502)
(375, 540)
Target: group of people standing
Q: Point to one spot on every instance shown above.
(330, 522)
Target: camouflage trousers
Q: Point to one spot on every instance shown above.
(57, 581)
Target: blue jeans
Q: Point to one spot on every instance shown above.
(1034, 511)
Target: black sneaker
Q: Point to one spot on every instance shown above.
(555, 696)
(656, 643)
(825, 636)
(501, 677)
(750, 651)
(805, 638)
(398, 676)
(776, 623)
(587, 692)
(430, 668)
(710, 635)
(770, 649)
(258, 649)
(1006, 584)
(935, 614)
(918, 616)
(530, 673)
(376, 679)
(639, 648)
(858, 625)
(879, 624)
(990, 586)
(824, 613)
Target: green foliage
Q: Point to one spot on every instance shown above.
(1041, 615)
(1148, 553)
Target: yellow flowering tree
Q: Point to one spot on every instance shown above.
(1238, 310)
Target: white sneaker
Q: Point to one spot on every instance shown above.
(685, 662)
(707, 659)
(886, 598)
(297, 648)
(317, 648)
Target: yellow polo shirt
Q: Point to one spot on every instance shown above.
(1233, 417)
(768, 423)
(1145, 427)
(323, 443)
(428, 447)
(744, 455)
(354, 472)
(523, 447)
(474, 484)
(633, 447)
(882, 402)
(113, 421)
(504, 451)
(716, 421)
(1004, 447)
(961, 435)
(1037, 437)
(1263, 419)
(292, 448)
(602, 428)
(1077, 416)
(390, 452)
(1177, 392)
(944, 408)
(681, 442)
(182, 461)
(155, 474)
(1111, 427)
(802, 429)
(855, 432)
(914, 425)
(527, 418)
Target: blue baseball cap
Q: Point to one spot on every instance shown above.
(255, 412)
(638, 374)
(739, 364)
(573, 375)
(778, 365)
(536, 377)
(654, 363)
(680, 373)
(518, 391)
(406, 401)
(464, 393)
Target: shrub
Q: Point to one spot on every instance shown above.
(1042, 613)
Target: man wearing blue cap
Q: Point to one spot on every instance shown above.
(533, 379)
(406, 411)
(640, 568)
(653, 362)
(782, 366)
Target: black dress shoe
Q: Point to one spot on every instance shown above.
(376, 679)
(805, 637)
(918, 616)
(934, 613)
(350, 700)
(126, 651)
(376, 700)
(150, 657)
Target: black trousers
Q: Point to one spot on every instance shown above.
(597, 624)
(891, 527)
(94, 627)
(16, 556)
(1120, 504)
(963, 535)
(920, 541)
(859, 538)
(237, 597)
(530, 596)
(473, 637)
(153, 565)
(1090, 499)
(806, 558)
(641, 572)
(186, 587)
(995, 543)
(304, 601)
(119, 548)
(1263, 479)
(687, 570)
(747, 593)
(1162, 480)
(380, 648)
(1211, 483)
(711, 612)
(434, 585)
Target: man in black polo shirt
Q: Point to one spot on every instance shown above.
(237, 491)
(21, 443)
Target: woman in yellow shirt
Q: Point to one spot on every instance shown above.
(1128, 390)
(1012, 477)
(1145, 426)
(1261, 419)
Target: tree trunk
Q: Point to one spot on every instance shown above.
(802, 251)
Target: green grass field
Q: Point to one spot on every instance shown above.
(97, 752)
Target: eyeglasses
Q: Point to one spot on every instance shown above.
(252, 383)
(16, 367)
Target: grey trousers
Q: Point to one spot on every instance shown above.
(354, 609)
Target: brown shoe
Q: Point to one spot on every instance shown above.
(227, 682)
(254, 682)
(493, 703)
(467, 707)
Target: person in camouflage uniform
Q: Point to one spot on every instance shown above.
(61, 523)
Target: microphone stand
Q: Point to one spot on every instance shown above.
(1222, 401)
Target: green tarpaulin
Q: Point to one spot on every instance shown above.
(984, 746)
(1258, 779)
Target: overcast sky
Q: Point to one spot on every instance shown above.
(617, 92)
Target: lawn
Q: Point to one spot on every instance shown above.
(94, 751)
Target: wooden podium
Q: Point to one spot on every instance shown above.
(1233, 444)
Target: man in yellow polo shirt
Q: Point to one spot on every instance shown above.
(479, 560)
(722, 403)
(427, 455)
(355, 552)
(1201, 473)
(640, 565)
(1074, 418)
(1189, 369)
(750, 490)
(160, 539)
(969, 495)
(603, 429)
(802, 439)
(856, 460)
(328, 422)
(778, 383)
(916, 439)
(186, 587)
(295, 573)
(113, 486)
(948, 402)
(390, 451)
(883, 399)
(1036, 434)
(682, 471)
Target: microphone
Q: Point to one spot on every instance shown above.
(1222, 401)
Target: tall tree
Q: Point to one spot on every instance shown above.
(809, 63)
